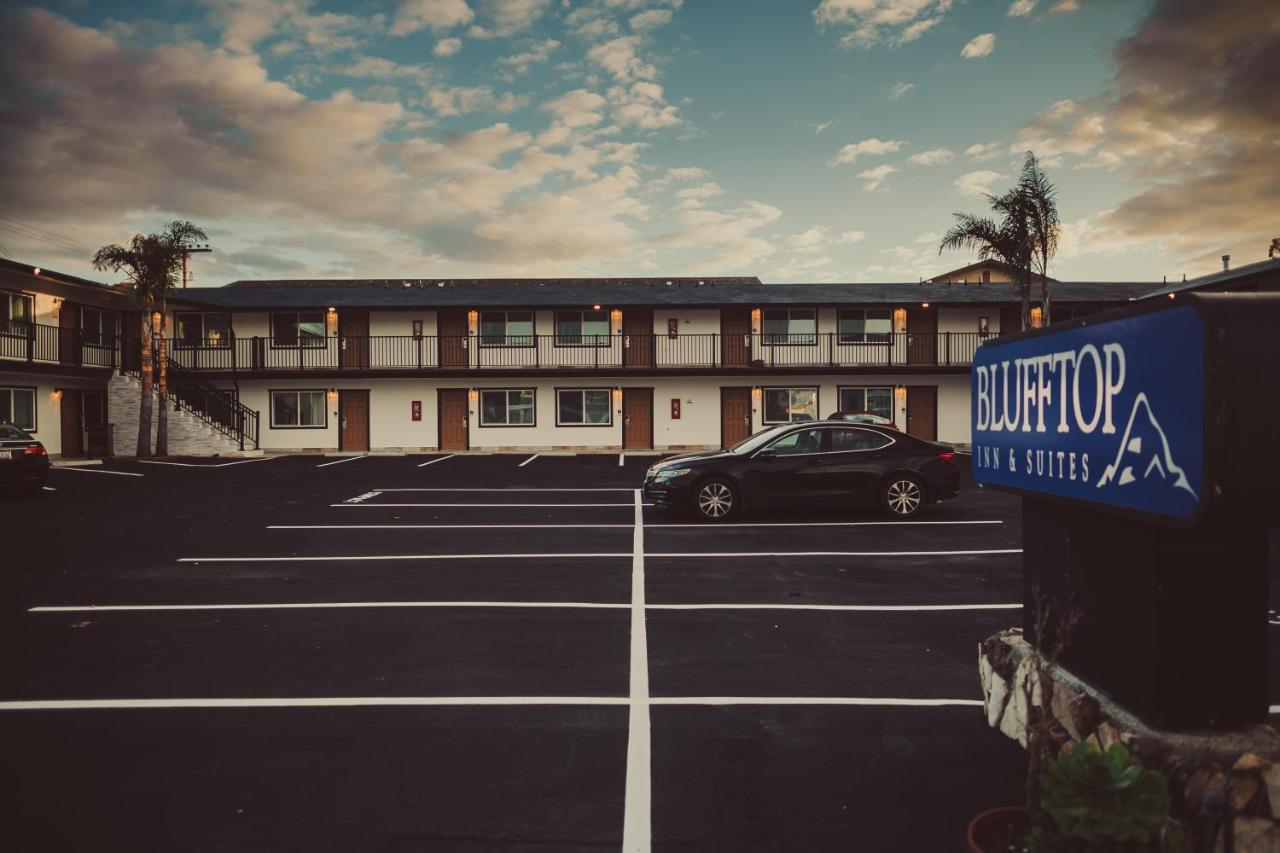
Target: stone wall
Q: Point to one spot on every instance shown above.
(1201, 769)
(189, 434)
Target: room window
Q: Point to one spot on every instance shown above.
(298, 409)
(790, 405)
(872, 326)
(506, 329)
(878, 401)
(16, 314)
(582, 328)
(298, 329)
(846, 440)
(506, 407)
(18, 407)
(583, 407)
(207, 330)
(790, 326)
(97, 328)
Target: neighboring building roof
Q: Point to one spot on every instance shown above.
(963, 272)
(683, 281)
(52, 275)
(1263, 274)
(428, 293)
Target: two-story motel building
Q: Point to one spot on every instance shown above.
(486, 365)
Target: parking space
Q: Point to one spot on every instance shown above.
(512, 654)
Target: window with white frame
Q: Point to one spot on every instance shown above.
(865, 326)
(506, 329)
(304, 329)
(18, 407)
(790, 405)
(583, 407)
(97, 327)
(506, 407)
(790, 326)
(299, 409)
(205, 330)
(582, 328)
(877, 400)
(16, 314)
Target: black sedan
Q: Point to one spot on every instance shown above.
(823, 464)
(23, 461)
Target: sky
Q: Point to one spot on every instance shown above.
(794, 140)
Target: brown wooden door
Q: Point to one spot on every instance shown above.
(68, 340)
(735, 415)
(922, 336)
(353, 339)
(353, 426)
(453, 419)
(637, 418)
(452, 331)
(72, 423)
(1010, 319)
(94, 404)
(735, 337)
(637, 331)
(922, 411)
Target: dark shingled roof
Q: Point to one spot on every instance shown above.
(550, 293)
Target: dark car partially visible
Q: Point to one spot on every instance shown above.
(818, 464)
(24, 463)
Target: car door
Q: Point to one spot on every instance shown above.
(855, 464)
(785, 473)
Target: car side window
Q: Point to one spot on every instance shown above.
(799, 442)
(857, 439)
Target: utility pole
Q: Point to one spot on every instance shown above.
(187, 251)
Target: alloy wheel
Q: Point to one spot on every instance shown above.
(903, 497)
(715, 500)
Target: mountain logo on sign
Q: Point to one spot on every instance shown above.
(1144, 452)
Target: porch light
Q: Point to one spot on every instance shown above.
(472, 316)
(755, 319)
(36, 271)
(899, 319)
(617, 393)
(615, 316)
(1037, 317)
(57, 393)
(756, 392)
(1172, 295)
(474, 394)
(333, 393)
(924, 304)
(595, 307)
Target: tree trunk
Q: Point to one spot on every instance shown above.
(1044, 296)
(144, 405)
(162, 420)
(1025, 287)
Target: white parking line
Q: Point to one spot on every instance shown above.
(81, 470)
(814, 700)
(334, 558)
(704, 554)
(441, 526)
(374, 506)
(527, 461)
(706, 526)
(622, 460)
(512, 489)
(330, 605)
(49, 488)
(306, 702)
(637, 799)
(340, 461)
(434, 461)
(849, 608)
(197, 465)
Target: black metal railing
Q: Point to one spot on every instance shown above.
(38, 343)
(601, 352)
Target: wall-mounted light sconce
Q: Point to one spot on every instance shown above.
(472, 316)
(36, 271)
(615, 316)
(1172, 295)
(617, 393)
(899, 319)
(474, 394)
(1037, 317)
(756, 392)
(755, 319)
(333, 393)
(57, 393)
(924, 304)
(595, 307)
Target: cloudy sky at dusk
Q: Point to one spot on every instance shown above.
(797, 140)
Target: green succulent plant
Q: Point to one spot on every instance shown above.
(1101, 801)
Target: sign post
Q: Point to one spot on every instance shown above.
(1136, 439)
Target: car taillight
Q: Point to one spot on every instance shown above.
(947, 457)
(36, 449)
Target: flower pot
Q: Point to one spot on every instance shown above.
(998, 830)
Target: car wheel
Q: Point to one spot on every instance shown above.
(902, 496)
(715, 499)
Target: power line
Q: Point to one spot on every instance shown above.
(31, 227)
(66, 246)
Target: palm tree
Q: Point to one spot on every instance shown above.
(151, 263)
(1024, 234)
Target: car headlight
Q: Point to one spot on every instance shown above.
(669, 474)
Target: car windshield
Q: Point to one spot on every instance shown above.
(757, 439)
(11, 433)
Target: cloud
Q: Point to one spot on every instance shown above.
(871, 22)
(1021, 8)
(642, 106)
(447, 47)
(976, 183)
(506, 17)
(932, 157)
(821, 126)
(979, 46)
(873, 178)
(812, 239)
(572, 112)
(377, 68)
(730, 236)
(897, 90)
(620, 59)
(852, 237)
(246, 23)
(847, 155)
(460, 100)
(435, 15)
(984, 150)
(1065, 6)
(538, 53)
(686, 173)
(650, 18)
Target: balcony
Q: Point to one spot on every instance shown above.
(688, 352)
(34, 343)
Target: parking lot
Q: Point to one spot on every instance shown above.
(468, 653)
